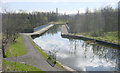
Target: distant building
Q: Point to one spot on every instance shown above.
(57, 11)
(119, 5)
(78, 12)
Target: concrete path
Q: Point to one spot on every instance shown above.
(33, 57)
(1, 60)
(40, 31)
(64, 30)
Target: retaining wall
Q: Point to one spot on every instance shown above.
(40, 27)
(45, 30)
(65, 34)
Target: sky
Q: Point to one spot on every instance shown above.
(64, 6)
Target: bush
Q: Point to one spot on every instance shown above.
(28, 30)
(97, 34)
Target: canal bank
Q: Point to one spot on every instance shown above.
(66, 34)
(76, 54)
(39, 33)
(45, 55)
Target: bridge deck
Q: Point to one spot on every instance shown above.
(40, 31)
(64, 30)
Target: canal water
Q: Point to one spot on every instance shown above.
(78, 55)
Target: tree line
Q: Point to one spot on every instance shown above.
(13, 23)
(103, 20)
(22, 22)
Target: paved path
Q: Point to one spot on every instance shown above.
(33, 57)
(1, 60)
(64, 30)
(40, 31)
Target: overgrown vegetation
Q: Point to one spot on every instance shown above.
(105, 19)
(101, 24)
(58, 22)
(12, 66)
(104, 36)
(16, 48)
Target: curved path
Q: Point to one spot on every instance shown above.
(33, 57)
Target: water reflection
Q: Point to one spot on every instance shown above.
(53, 30)
(77, 54)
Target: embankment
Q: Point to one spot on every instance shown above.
(66, 34)
(42, 31)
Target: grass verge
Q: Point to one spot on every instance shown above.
(107, 36)
(39, 50)
(12, 66)
(17, 48)
(58, 22)
(43, 53)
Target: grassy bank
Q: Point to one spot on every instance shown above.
(39, 49)
(104, 36)
(58, 22)
(17, 48)
(43, 53)
(12, 66)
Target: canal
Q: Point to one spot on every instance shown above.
(77, 54)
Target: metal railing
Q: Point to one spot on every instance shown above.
(68, 28)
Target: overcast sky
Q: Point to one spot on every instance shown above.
(64, 6)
